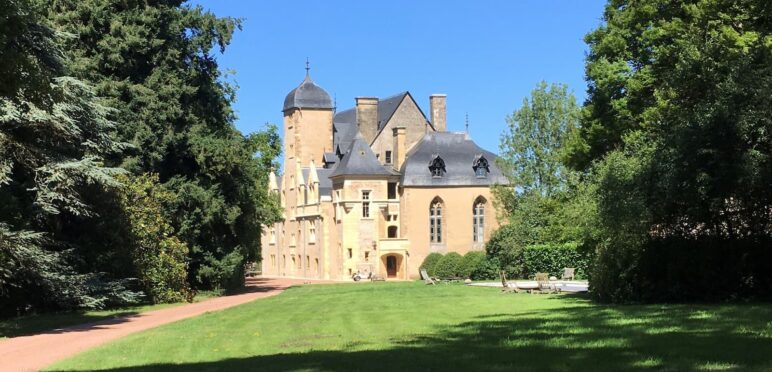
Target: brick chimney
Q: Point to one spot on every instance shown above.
(437, 108)
(367, 117)
(399, 146)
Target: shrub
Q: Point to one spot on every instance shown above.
(507, 249)
(470, 263)
(488, 269)
(430, 263)
(553, 258)
(158, 256)
(448, 266)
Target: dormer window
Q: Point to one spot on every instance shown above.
(437, 166)
(481, 167)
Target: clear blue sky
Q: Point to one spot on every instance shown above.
(485, 55)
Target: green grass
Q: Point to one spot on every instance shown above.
(31, 324)
(410, 326)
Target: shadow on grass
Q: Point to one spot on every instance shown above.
(61, 323)
(573, 338)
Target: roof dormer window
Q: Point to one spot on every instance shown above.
(437, 166)
(481, 167)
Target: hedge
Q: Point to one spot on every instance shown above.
(447, 267)
(430, 263)
(553, 258)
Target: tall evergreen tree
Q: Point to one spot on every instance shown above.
(53, 139)
(153, 62)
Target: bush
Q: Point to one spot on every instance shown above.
(553, 258)
(448, 266)
(489, 269)
(679, 269)
(507, 249)
(430, 263)
(159, 257)
(470, 263)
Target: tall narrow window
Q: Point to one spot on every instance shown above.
(392, 190)
(478, 220)
(366, 204)
(435, 221)
(272, 236)
(388, 157)
(312, 231)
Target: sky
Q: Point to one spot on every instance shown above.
(486, 56)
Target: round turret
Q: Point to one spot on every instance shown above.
(308, 95)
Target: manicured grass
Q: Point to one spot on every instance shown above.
(37, 323)
(410, 326)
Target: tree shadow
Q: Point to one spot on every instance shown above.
(573, 338)
(61, 323)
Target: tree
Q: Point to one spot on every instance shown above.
(531, 148)
(54, 136)
(540, 185)
(153, 62)
(675, 135)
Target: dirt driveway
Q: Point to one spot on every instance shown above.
(34, 352)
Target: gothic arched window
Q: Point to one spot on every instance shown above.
(437, 166)
(478, 220)
(480, 166)
(435, 221)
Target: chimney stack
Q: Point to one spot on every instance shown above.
(399, 146)
(367, 117)
(437, 108)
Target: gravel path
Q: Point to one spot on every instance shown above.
(34, 352)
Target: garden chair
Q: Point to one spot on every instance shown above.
(545, 286)
(568, 273)
(507, 286)
(426, 278)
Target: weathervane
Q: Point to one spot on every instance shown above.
(467, 123)
(308, 67)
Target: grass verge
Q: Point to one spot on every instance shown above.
(409, 326)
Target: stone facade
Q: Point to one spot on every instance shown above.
(363, 210)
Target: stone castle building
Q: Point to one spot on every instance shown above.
(375, 188)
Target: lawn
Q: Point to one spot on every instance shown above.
(410, 326)
(30, 324)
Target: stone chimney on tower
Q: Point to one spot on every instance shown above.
(399, 146)
(437, 108)
(367, 117)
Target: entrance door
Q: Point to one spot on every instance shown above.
(391, 266)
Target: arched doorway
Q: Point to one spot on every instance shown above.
(391, 266)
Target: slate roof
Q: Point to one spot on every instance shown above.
(307, 95)
(458, 152)
(329, 158)
(345, 122)
(325, 184)
(359, 160)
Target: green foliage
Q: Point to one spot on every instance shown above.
(675, 138)
(430, 263)
(545, 203)
(448, 266)
(531, 148)
(553, 258)
(469, 264)
(159, 258)
(153, 63)
(476, 266)
(54, 139)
